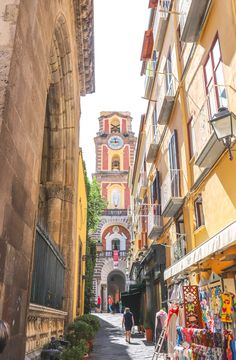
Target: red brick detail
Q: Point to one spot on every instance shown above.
(106, 126)
(124, 127)
(104, 157)
(104, 190)
(127, 196)
(126, 157)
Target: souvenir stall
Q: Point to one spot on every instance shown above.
(202, 320)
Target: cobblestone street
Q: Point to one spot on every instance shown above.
(110, 342)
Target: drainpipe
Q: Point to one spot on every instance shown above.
(184, 120)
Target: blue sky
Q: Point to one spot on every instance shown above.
(119, 27)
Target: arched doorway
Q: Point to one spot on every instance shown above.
(115, 284)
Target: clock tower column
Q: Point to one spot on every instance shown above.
(115, 145)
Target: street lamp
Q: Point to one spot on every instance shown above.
(224, 126)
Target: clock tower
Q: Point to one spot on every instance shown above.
(114, 144)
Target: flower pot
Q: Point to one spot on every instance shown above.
(85, 357)
(90, 345)
(149, 335)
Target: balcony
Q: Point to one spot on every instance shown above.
(155, 226)
(160, 23)
(165, 98)
(149, 79)
(109, 254)
(114, 212)
(192, 17)
(207, 149)
(142, 184)
(178, 248)
(170, 193)
(152, 141)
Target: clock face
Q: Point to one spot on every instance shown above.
(115, 142)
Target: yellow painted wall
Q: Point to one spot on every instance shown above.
(81, 236)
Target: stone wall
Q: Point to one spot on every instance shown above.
(31, 29)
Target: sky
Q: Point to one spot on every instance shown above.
(119, 27)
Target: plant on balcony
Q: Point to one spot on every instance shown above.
(75, 352)
(91, 320)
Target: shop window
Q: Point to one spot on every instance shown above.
(214, 79)
(115, 163)
(199, 215)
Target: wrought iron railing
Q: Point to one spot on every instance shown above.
(114, 212)
(178, 247)
(154, 217)
(171, 186)
(48, 273)
(109, 254)
(167, 87)
(201, 129)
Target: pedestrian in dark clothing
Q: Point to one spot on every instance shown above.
(117, 306)
(128, 323)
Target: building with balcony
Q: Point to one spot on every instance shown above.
(190, 197)
(115, 143)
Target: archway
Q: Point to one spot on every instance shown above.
(52, 282)
(115, 284)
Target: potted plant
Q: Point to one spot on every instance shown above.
(79, 330)
(148, 328)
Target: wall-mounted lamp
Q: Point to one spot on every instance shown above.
(224, 126)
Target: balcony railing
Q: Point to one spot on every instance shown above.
(178, 248)
(142, 184)
(114, 212)
(206, 148)
(160, 23)
(166, 92)
(109, 254)
(171, 199)
(155, 225)
(192, 17)
(149, 79)
(152, 143)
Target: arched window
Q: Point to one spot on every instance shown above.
(115, 163)
(115, 126)
(115, 244)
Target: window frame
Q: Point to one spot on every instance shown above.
(198, 211)
(213, 79)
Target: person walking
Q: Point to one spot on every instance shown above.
(99, 301)
(128, 323)
(110, 302)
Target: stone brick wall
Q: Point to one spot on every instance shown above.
(27, 31)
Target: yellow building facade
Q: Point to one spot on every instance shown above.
(187, 202)
(81, 236)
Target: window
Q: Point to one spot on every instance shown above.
(214, 79)
(191, 138)
(116, 198)
(115, 244)
(169, 76)
(115, 163)
(199, 215)
(174, 168)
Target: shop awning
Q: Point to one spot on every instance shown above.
(220, 241)
(147, 45)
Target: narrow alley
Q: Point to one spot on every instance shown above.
(110, 342)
